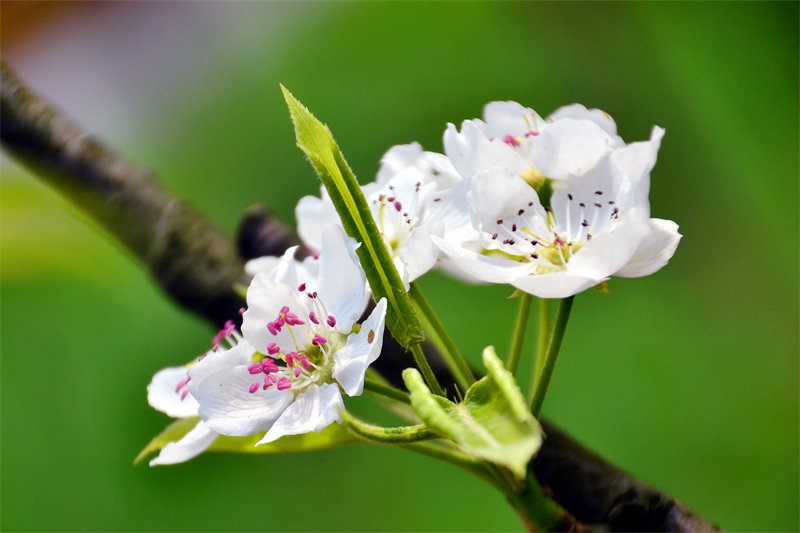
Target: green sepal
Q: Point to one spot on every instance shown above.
(382, 435)
(316, 140)
(331, 436)
(516, 294)
(492, 423)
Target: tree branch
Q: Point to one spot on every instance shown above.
(196, 264)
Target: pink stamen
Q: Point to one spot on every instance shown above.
(318, 340)
(292, 319)
(532, 134)
(253, 388)
(284, 383)
(297, 372)
(331, 321)
(313, 318)
(290, 359)
(272, 329)
(182, 384)
(302, 287)
(315, 256)
(242, 310)
(305, 363)
(398, 206)
(509, 139)
(255, 368)
(183, 394)
(272, 348)
(284, 310)
(269, 366)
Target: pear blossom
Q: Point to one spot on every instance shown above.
(168, 392)
(301, 346)
(416, 195)
(597, 224)
(570, 142)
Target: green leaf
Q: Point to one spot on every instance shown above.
(173, 433)
(492, 423)
(316, 140)
(331, 436)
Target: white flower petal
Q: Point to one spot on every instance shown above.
(637, 160)
(484, 267)
(162, 393)
(286, 270)
(498, 194)
(312, 215)
(509, 118)
(471, 152)
(579, 112)
(342, 281)
(570, 147)
(397, 158)
(609, 250)
(313, 410)
(265, 265)
(555, 284)
(452, 208)
(419, 253)
(655, 251)
(362, 348)
(265, 298)
(226, 404)
(191, 445)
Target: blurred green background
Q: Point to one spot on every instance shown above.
(687, 379)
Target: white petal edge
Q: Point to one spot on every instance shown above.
(419, 253)
(484, 267)
(190, 446)
(313, 410)
(559, 284)
(351, 362)
(655, 251)
(342, 281)
(162, 395)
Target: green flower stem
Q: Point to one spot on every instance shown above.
(519, 332)
(552, 354)
(543, 339)
(381, 435)
(475, 466)
(425, 368)
(537, 511)
(458, 366)
(386, 390)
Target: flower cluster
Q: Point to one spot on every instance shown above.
(551, 206)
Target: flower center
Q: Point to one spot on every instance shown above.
(397, 216)
(311, 360)
(558, 238)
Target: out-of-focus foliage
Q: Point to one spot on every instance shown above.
(687, 378)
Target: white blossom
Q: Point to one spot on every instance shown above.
(417, 195)
(599, 223)
(304, 347)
